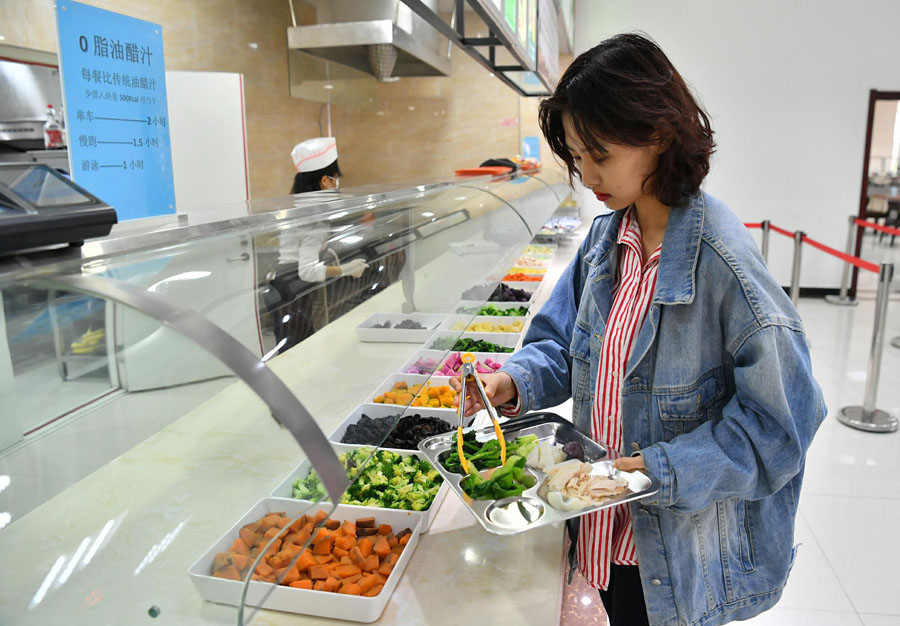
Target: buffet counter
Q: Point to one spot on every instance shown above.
(116, 547)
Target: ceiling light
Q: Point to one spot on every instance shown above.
(253, 45)
(328, 86)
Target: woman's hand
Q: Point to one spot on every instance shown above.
(629, 463)
(499, 388)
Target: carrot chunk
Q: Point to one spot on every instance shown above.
(382, 549)
(345, 571)
(357, 557)
(374, 591)
(324, 546)
(372, 563)
(228, 573)
(302, 584)
(366, 583)
(351, 589)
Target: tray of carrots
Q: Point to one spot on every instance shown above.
(349, 562)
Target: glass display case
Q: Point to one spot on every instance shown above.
(162, 382)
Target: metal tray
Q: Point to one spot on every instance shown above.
(510, 516)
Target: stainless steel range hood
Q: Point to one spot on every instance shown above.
(383, 38)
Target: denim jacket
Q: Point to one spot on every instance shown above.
(718, 396)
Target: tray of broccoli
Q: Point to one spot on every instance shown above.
(382, 479)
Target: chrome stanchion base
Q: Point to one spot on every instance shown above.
(839, 301)
(876, 421)
(895, 342)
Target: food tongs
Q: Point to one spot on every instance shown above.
(469, 375)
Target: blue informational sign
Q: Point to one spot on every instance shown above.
(531, 148)
(114, 87)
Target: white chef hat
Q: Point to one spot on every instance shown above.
(314, 154)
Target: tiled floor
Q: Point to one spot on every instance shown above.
(848, 568)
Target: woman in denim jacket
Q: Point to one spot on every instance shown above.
(717, 397)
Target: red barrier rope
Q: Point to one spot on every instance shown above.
(784, 232)
(884, 229)
(864, 265)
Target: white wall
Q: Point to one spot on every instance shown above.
(787, 84)
(209, 142)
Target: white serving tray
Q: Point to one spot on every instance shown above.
(552, 246)
(442, 355)
(320, 603)
(286, 488)
(431, 321)
(507, 340)
(463, 306)
(468, 320)
(383, 410)
(412, 379)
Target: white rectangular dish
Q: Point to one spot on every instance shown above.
(383, 410)
(442, 337)
(293, 600)
(425, 355)
(285, 489)
(410, 380)
(441, 357)
(366, 331)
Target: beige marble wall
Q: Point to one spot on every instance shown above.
(428, 127)
(413, 129)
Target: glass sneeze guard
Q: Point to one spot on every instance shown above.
(129, 448)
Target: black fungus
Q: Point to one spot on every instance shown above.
(405, 435)
(574, 450)
(502, 293)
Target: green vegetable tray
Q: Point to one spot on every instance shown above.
(510, 516)
(285, 488)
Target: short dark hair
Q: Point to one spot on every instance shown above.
(312, 181)
(625, 90)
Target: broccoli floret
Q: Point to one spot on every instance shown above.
(398, 481)
(424, 467)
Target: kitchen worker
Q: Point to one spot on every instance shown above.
(304, 259)
(683, 355)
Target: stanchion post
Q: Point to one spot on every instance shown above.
(867, 417)
(795, 270)
(764, 245)
(843, 299)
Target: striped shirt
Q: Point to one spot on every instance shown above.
(606, 536)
